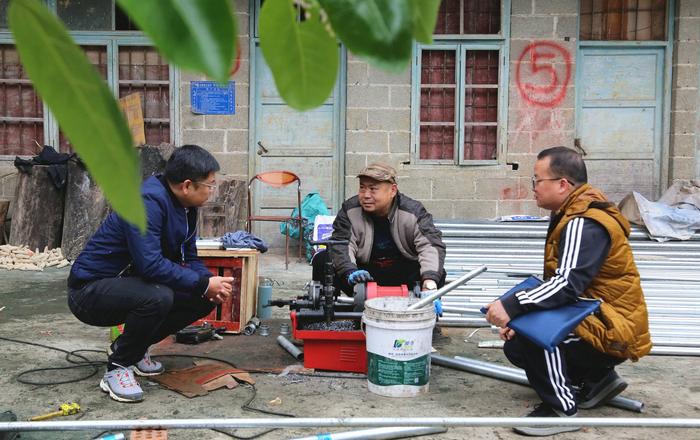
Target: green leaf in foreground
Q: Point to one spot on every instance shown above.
(302, 56)
(196, 35)
(379, 30)
(424, 14)
(82, 103)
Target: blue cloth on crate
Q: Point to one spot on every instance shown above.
(548, 328)
(243, 239)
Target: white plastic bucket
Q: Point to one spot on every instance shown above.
(398, 346)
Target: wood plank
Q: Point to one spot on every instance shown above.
(227, 253)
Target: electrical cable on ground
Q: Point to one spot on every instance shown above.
(94, 365)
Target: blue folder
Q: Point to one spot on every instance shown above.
(547, 328)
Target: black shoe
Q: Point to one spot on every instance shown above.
(544, 410)
(601, 392)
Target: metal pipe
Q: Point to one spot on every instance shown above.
(252, 325)
(446, 288)
(291, 348)
(311, 422)
(675, 351)
(377, 433)
(516, 375)
(461, 322)
(460, 310)
(345, 300)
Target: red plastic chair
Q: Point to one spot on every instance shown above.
(277, 179)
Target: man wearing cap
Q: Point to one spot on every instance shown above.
(391, 238)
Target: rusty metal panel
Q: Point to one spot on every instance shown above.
(438, 97)
(97, 55)
(459, 17)
(628, 20)
(21, 109)
(481, 69)
(143, 70)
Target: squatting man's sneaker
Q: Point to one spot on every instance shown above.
(146, 366)
(544, 410)
(121, 385)
(601, 392)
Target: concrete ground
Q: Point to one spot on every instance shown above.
(36, 311)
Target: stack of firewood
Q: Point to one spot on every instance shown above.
(23, 258)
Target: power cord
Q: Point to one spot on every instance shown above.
(85, 363)
(95, 365)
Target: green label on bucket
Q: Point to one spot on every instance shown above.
(385, 371)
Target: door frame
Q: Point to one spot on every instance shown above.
(661, 177)
(339, 100)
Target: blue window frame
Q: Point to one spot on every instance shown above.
(127, 62)
(459, 96)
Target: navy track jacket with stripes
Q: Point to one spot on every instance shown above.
(583, 248)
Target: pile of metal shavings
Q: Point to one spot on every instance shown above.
(335, 326)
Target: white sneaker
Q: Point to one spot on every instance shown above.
(121, 385)
(148, 367)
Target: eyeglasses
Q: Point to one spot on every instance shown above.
(535, 181)
(211, 186)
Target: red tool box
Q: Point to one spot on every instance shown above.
(340, 350)
(332, 350)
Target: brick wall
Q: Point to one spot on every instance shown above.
(225, 136)
(378, 124)
(378, 118)
(685, 122)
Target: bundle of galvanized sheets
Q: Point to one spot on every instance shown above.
(670, 273)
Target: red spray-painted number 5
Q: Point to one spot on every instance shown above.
(536, 75)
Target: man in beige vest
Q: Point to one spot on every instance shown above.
(587, 254)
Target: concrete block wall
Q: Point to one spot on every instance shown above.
(378, 122)
(225, 136)
(685, 94)
(378, 129)
(541, 92)
(378, 118)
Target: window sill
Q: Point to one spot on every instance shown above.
(433, 165)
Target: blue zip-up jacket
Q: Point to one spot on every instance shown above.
(166, 254)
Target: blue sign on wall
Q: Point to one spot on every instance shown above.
(210, 98)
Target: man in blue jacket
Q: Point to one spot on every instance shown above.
(153, 282)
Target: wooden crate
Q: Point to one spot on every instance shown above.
(242, 265)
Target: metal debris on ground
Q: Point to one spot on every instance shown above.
(284, 329)
(290, 379)
(334, 326)
(23, 258)
(264, 330)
